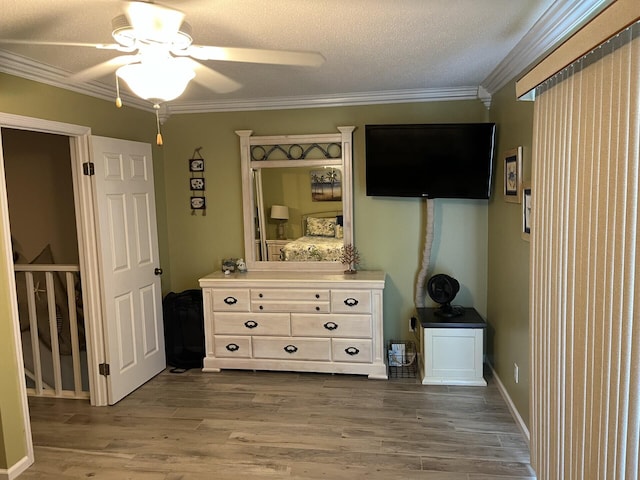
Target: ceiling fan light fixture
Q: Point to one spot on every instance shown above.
(182, 39)
(154, 22)
(127, 36)
(157, 81)
(123, 33)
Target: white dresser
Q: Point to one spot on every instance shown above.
(296, 321)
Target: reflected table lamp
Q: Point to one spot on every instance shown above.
(280, 213)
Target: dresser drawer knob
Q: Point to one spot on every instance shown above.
(317, 295)
(261, 307)
(351, 351)
(230, 300)
(291, 349)
(330, 325)
(232, 347)
(260, 295)
(317, 309)
(351, 302)
(251, 324)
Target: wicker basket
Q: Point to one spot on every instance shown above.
(402, 359)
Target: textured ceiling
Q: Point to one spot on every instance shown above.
(370, 46)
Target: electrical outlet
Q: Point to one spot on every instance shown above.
(516, 373)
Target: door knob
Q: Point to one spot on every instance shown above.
(158, 271)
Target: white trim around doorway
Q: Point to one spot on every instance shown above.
(79, 142)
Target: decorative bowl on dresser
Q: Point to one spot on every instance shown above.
(295, 321)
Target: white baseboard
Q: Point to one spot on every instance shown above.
(16, 469)
(512, 407)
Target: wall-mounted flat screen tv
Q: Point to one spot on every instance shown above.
(447, 160)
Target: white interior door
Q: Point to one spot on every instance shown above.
(128, 239)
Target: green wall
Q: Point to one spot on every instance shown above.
(508, 279)
(388, 231)
(12, 434)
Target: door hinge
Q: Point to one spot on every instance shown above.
(88, 168)
(103, 369)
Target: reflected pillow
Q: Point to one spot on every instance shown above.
(321, 227)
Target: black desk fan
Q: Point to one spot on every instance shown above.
(443, 289)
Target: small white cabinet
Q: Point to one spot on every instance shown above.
(297, 321)
(452, 348)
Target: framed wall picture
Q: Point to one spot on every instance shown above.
(196, 183)
(513, 175)
(198, 203)
(326, 185)
(196, 164)
(526, 210)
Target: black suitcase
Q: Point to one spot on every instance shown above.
(184, 329)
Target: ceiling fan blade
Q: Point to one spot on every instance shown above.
(213, 80)
(255, 55)
(102, 69)
(101, 46)
(154, 22)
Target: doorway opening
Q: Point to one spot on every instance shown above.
(40, 194)
(106, 385)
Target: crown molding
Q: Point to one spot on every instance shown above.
(484, 97)
(25, 67)
(329, 100)
(560, 21)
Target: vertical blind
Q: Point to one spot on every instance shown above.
(585, 270)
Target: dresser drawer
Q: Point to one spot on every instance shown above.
(292, 348)
(230, 300)
(357, 351)
(350, 301)
(290, 306)
(277, 294)
(350, 326)
(246, 323)
(229, 346)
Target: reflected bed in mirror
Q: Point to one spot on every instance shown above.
(297, 199)
(323, 239)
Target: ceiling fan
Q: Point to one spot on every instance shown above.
(159, 58)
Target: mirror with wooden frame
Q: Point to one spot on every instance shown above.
(297, 200)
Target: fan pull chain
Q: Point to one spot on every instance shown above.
(118, 99)
(159, 136)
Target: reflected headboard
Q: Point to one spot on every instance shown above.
(327, 214)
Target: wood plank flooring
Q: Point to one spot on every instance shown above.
(268, 425)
